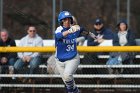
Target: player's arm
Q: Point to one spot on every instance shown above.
(60, 34)
(65, 33)
(73, 29)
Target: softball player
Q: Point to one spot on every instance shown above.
(67, 57)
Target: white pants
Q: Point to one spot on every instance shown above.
(68, 68)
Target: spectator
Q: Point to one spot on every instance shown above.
(123, 37)
(101, 33)
(32, 39)
(7, 60)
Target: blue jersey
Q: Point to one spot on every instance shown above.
(65, 46)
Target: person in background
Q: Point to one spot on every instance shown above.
(123, 37)
(96, 37)
(33, 59)
(101, 33)
(7, 60)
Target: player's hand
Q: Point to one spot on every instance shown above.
(74, 28)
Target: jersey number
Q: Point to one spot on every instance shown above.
(70, 48)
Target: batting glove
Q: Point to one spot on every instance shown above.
(74, 28)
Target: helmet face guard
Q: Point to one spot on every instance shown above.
(63, 15)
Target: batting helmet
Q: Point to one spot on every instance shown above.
(63, 15)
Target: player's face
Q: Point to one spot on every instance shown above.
(31, 31)
(4, 36)
(123, 27)
(66, 22)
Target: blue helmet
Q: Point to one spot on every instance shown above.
(63, 15)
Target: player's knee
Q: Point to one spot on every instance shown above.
(67, 77)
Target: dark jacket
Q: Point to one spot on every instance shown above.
(107, 34)
(130, 38)
(9, 42)
(130, 42)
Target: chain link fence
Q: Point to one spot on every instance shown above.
(90, 77)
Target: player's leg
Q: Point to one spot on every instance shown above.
(70, 68)
(60, 67)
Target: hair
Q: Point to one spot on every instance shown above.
(74, 20)
(27, 27)
(118, 26)
(4, 30)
